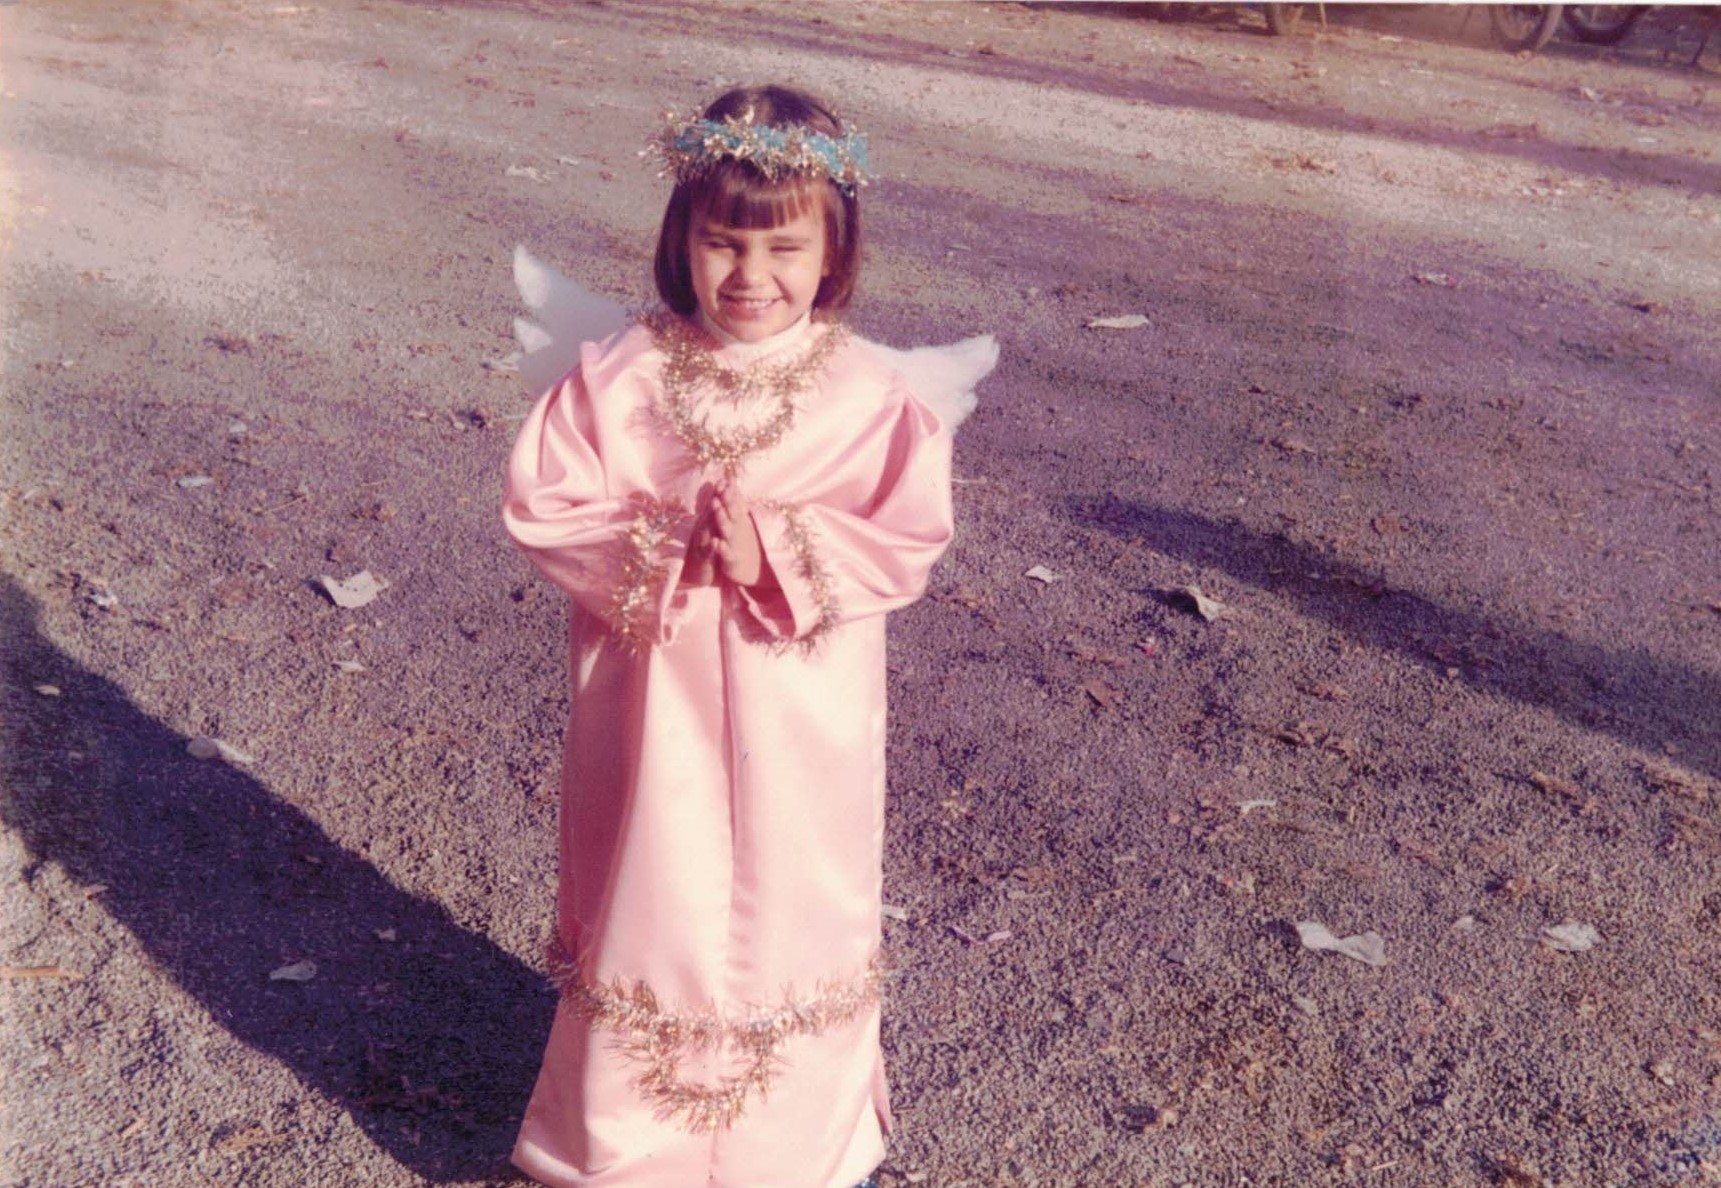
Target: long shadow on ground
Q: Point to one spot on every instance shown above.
(1638, 698)
(430, 1042)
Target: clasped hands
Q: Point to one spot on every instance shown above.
(725, 543)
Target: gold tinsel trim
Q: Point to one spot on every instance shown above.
(690, 364)
(641, 576)
(657, 1040)
(811, 568)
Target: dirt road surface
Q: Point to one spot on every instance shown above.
(1426, 397)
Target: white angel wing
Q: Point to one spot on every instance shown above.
(567, 314)
(944, 377)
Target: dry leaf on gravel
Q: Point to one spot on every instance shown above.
(349, 666)
(47, 690)
(1510, 1171)
(1102, 694)
(1041, 574)
(1192, 598)
(1440, 279)
(1123, 322)
(298, 971)
(1247, 806)
(351, 593)
(1571, 937)
(1555, 786)
(193, 481)
(1367, 947)
(213, 748)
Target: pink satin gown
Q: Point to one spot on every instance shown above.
(723, 782)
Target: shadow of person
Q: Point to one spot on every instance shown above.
(429, 1042)
(1641, 699)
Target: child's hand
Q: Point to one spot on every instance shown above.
(699, 567)
(740, 555)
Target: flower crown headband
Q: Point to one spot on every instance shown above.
(689, 146)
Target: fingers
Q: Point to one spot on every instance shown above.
(729, 511)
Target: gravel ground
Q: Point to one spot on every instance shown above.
(1426, 398)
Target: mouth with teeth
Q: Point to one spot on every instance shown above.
(749, 305)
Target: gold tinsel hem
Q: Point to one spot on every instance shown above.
(690, 365)
(657, 1039)
(641, 571)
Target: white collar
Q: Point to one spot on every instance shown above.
(736, 352)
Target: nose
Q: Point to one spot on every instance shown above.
(751, 267)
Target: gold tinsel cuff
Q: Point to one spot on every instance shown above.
(642, 572)
(810, 573)
(656, 1039)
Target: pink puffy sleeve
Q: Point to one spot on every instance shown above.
(617, 553)
(866, 542)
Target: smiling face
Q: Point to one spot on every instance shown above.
(756, 282)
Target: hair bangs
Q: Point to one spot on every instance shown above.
(735, 194)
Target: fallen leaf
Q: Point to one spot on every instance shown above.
(349, 666)
(1662, 1070)
(1555, 786)
(1571, 937)
(1367, 947)
(891, 912)
(1041, 574)
(1103, 695)
(526, 171)
(386, 934)
(1122, 322)
(1441, 279)
(298, 971)
(1511, 1171)
(47, 690)
(193, 481)
(351, 593)
(213, 748)
(1464, 924)
(1209, 609)
(1248, 806)
(104, 600)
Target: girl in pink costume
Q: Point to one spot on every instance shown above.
(733, 492)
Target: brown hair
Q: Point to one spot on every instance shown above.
(736, 194)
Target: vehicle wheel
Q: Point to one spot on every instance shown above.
(1524, 26)
(1602, 24)
(1283, 19)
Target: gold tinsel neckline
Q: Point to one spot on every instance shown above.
(692, 365)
